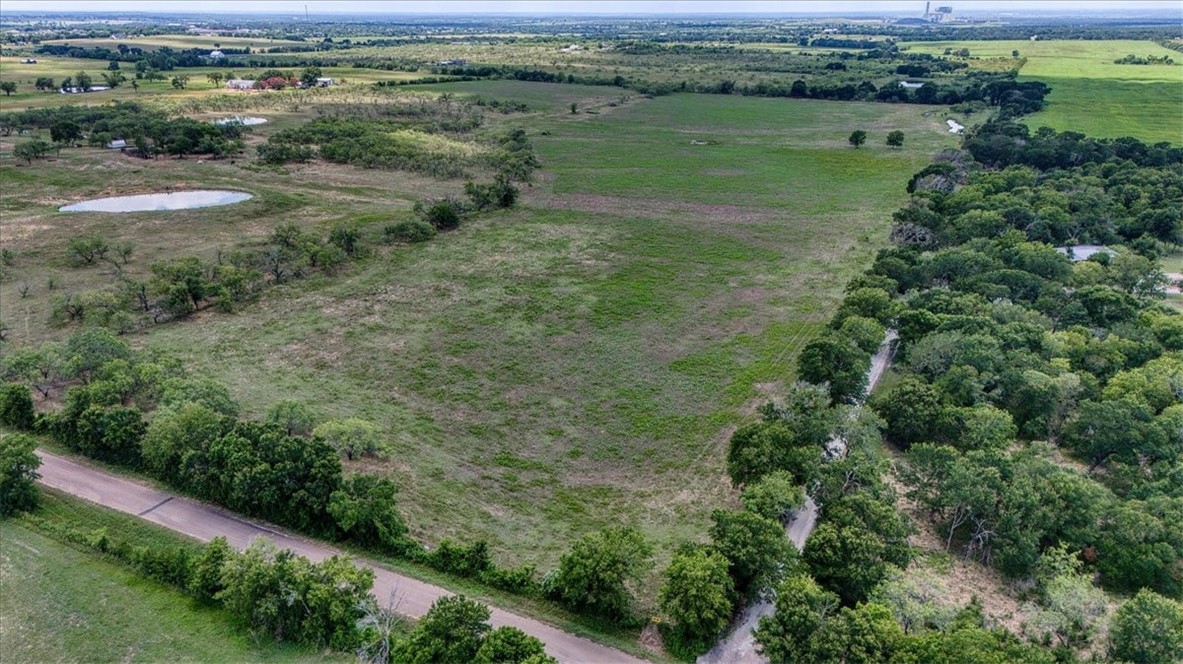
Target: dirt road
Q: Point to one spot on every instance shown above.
(204, 522)
(739, 647)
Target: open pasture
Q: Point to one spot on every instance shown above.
(1090, 93)
(574, 363)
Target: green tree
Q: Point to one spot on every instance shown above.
(205, 391)
(802, 609)
(510, 645)
(65, 131)
(32, 149)
(8, 87)
(18, 473)
(180, 82)
(292, 417)
(763, 447)
(757, 551)
(205, 574)
(866, 333)
(215, 78)
(113, 79)
(451, 632)
(597, 575)
(16, 407)
(44, 83)
(178, 434)
(847, 560)
(698, 595)
(1123, 429)
(289, 598)
(83, 81)
(857, 137)
(866, 634)
(184, 284)
(912, 410)
(774, 496)
(1147, 629)
(916, 599)
(895, 138)
(835, 360)
(351, 437)
(309, 75)
(364, 509)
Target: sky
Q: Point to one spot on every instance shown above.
(580, 7)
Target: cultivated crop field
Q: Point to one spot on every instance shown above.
(1090, 93)
(543, 372)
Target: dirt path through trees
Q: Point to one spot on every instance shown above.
(739, 646)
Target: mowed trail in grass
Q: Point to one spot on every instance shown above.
(58, 604)
(1090, 93)
(577, 362)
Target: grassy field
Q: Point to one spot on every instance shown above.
(575, 363)
(1090, 93)
(59, 604)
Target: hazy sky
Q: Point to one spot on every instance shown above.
(583, 7)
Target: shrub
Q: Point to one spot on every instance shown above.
(466, 561)
(18, 473)
(443, 215)
(16, 407)
(521, 580)
(410, 232)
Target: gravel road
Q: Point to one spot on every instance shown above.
(739, 646)
(205, 522)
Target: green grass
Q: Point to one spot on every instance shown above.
(605, 335)
(1090, 93)
(60, 604)
(539, 97)
(575, 363)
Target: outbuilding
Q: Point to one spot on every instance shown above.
(1083, 252)
(240, 84)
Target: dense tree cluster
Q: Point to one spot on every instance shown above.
(1007, 350)
(149, 132)
(1002, 337)
(192, 439)
(410, 144)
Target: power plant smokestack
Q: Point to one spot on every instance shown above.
(926, 6)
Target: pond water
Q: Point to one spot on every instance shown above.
(245, 120)
(180, 200)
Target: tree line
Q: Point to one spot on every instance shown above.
(146, 131)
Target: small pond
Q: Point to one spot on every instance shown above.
(180, 200)
(244, 120)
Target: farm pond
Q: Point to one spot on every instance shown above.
(178, 200)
